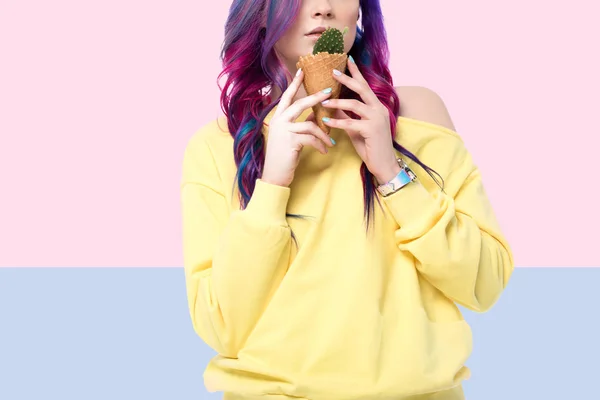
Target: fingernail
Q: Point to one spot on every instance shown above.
(298, 72)
(336, 72)
(325, 119)
(327, 91)
(325, 101)
(351, 59)
(332, 141)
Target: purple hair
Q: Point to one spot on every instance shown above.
(251, 64)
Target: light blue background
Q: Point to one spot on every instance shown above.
(125, 333)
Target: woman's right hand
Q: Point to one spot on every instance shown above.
(287, 138)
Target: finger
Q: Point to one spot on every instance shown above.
(355, 71)
(298, 107)
(311, 117)
(347, 124)
(357, 107)
(290, 92)
(310, 140)
(309, 127)
(339, 114)
(361, 88)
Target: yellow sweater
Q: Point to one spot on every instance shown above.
(346, 315)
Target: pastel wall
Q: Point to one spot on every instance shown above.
(98, 100)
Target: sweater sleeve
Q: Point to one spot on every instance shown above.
(454, 236)
(234, 261)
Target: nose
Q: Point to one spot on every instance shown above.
(322, 9)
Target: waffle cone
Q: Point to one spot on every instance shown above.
(318, 76)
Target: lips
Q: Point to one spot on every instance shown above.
(317, 31)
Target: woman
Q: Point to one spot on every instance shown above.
(304, 286)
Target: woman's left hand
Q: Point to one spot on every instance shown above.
(370, 135)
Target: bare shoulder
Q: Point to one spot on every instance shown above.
(424, 104)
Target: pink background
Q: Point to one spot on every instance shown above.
(98, 100)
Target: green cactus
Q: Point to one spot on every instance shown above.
(331, 41)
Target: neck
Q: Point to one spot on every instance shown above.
(301, 93)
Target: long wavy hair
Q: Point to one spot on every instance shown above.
(251, 65)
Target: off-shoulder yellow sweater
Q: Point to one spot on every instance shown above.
(347, 314)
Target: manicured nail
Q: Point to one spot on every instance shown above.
(336, 72)
(325, 101)
(351, 59)
(325, 119)
(298, 72)
(327, 91)
(332, 141)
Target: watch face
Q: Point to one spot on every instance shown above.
(403, 178)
